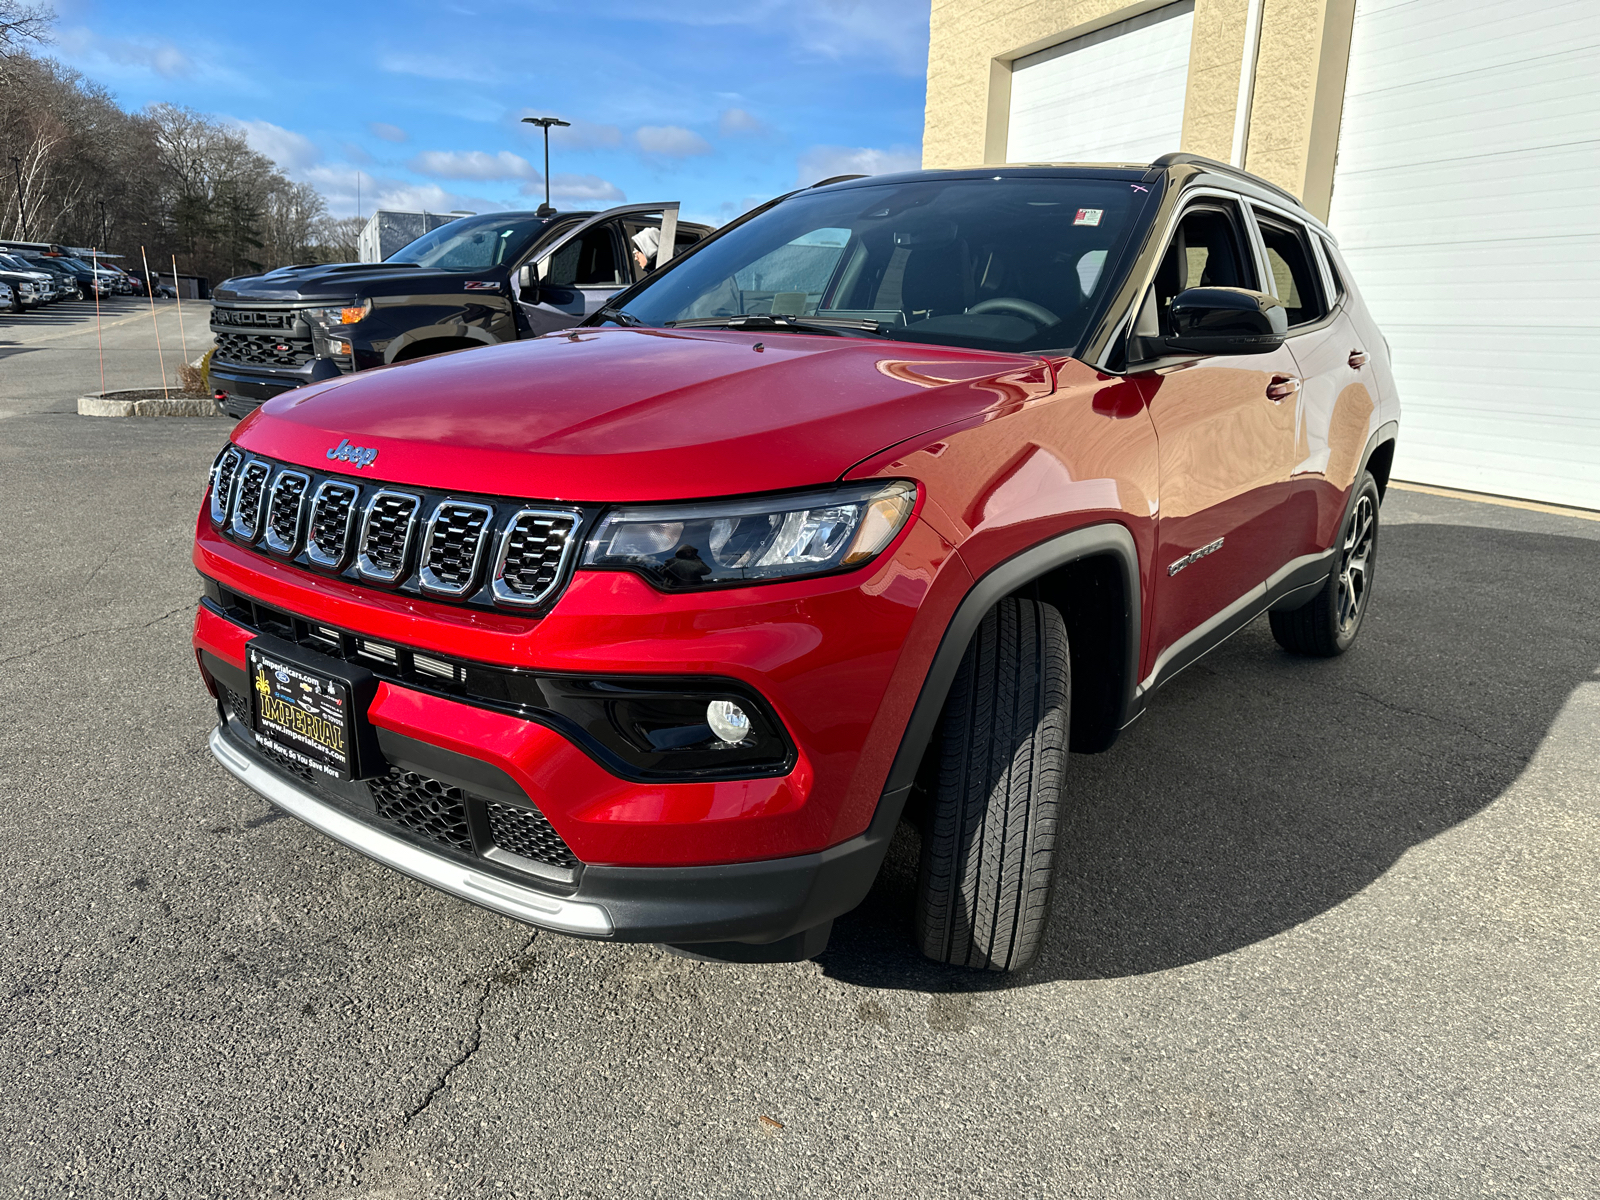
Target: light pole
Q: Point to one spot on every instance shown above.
(545, 123)
(22, 219)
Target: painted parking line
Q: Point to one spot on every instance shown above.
(1583, 514)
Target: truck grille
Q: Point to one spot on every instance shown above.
(369, 533)
(261, 349)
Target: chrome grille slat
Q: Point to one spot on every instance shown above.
(452, 550)
(333, 514)
(284, 510)
(482, 551)
(387, 531)
(222, 475)
(534, 554)
(249, 506)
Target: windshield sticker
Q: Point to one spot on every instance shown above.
(1089, 216)
(482, 285)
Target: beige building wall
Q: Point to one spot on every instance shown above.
(1296, 97)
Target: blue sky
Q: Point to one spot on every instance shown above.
(719, 105)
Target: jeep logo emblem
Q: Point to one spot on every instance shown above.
(357, 456)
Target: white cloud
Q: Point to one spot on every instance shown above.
(736, 121)
(824, 162)
(473, 164)
(578, 187)
(670, 141)
(290, 150)
(162, 57)
(439, 66)
(578, 134)
(389, 133)
(337, 183)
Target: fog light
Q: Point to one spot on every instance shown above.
(727, 721)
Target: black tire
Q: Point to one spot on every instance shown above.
(989, 846)
(1327, 624)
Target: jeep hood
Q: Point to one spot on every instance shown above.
(621, 415)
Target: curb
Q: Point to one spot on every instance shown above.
(106, 404)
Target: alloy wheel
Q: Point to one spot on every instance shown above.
(1355, 566)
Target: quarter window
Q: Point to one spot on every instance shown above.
(1294, 272)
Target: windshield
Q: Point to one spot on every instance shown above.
(1013, 264)
(472, 243)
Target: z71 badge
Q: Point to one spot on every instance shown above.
(482, 285)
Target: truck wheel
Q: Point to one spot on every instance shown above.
(989, 850)
(1327, 624)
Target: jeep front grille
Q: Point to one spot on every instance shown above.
(222, 473)
(534, 556)
(284, 511)
(247, 507)
(482, 551)
(453, 548)
(332, 515)
(386, 533)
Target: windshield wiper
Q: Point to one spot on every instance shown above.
(780, 321)
(617, 315)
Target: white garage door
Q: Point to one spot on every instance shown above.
(1467, 199)
(1115, 95)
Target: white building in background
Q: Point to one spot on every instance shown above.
(386, 231)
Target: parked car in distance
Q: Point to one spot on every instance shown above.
(45, 283)
(870, 506)
(478, 281)
(23, 287)
(9, 298)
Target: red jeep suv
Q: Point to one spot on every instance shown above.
(871, 506)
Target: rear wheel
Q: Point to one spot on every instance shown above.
(989, 848)
(1327, 624)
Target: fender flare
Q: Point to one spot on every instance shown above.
(459, 330)
(1110, 539)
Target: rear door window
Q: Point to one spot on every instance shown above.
(1294, 270)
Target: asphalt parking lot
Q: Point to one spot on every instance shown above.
(1326, 929)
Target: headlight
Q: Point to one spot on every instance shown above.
(754, 540)
(344, 315)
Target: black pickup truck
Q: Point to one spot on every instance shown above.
(474, 282)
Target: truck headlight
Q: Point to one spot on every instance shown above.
(348, 314)
(755, 540)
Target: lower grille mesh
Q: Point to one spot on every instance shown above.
(424, 805)
(527, 833)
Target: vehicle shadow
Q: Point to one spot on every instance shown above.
(1261, 790)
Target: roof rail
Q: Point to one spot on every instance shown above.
(1179, 158)
(835, 179)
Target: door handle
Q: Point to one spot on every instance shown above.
(1282, 387)
(1358, 359)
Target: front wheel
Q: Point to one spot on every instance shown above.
(989, 849)
(1327, 624)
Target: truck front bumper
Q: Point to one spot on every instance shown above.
(247, 388)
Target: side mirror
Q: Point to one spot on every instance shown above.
(528, 283)
(1224, 320)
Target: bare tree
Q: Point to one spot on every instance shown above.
(23, 23)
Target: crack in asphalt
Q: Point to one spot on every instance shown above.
(92, 632)
(505, 979)
(1467, 729)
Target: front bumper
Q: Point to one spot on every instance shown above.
(247, 388)
(773, 903)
